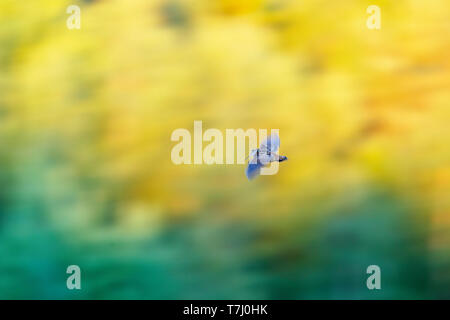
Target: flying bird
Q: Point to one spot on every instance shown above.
(265, 154)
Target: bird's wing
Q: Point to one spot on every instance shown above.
(271, 143)
(252, 156)
(253, 170)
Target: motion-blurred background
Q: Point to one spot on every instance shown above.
(86, 176)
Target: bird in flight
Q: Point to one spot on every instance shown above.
(265, 154)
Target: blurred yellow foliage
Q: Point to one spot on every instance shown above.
(86, 115)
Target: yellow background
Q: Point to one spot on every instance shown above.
(86, 176)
